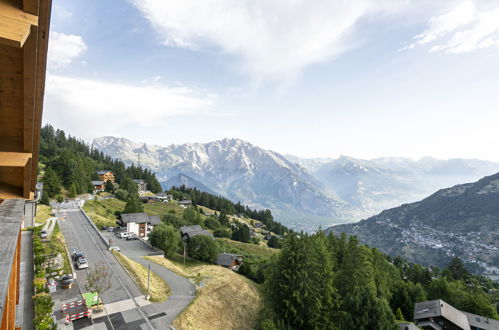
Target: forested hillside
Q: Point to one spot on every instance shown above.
(331, 282)
(71, 164)
(226, 206)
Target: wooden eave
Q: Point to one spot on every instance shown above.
(24, 31)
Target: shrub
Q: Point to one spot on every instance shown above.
(43, 311)
(202, 248)
(222, 233)
(166, 238)
(212, 223)
(39, 284)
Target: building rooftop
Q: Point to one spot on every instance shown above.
(477, 321)
(97, 183)
(439, 308)
(103, 172)
(140, 218)
(192, 231)
(226, 259)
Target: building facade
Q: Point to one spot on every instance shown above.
(106, 176)
(24, 36)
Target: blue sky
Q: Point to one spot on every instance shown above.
(317, 79)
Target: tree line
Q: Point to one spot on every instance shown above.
(72, 164)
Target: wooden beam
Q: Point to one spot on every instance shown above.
(9, 11)
(41, 64)
(8, 191)
(14, 159)
(13, 32)
(27, 179)
(29, 73)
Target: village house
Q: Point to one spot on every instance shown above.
(99, 185)
(191, 231)
(185, 202)
(140, 224)
(259, 225)
(106, 175)
(162, 197)
(229, 260)
(141, 186)
(437, 314)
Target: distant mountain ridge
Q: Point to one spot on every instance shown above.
(459, 221)
(302, 193)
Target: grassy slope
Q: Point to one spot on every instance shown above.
(42, 213)
(226, 301)
(159, 289)
(249, 249)
(103, 212)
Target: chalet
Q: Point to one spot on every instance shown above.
(106, 175)
(141, 186)
(24, 32)
(191, 231)
(185, 202)
(437, 314)
(162, 197)
(259, 225)
(229, 260)
(99, 185)
(139, 223)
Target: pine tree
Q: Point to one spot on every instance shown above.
(398, 315)
(133, 204)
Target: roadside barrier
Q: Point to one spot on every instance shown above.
(106, 242)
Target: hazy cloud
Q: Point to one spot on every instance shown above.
(463, 29)
(103, 107)
(272, 38)
(63, 48)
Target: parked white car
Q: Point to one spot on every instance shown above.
(114, 248)
(124, 235)
(82, 263)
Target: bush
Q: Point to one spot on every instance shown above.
(121, 194)
(43, 311)
(212, 223)
(202, 248)
(40, 285)
(222, 233)
(166, 238)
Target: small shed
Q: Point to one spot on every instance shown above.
(229, 260)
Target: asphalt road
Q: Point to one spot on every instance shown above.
(183, 291)
(80, 235)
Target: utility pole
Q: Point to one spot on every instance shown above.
(148, 280)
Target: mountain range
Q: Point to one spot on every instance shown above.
(460, 221)
(302, 193)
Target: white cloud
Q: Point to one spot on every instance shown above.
(464, 29)
(63, 48)
(96, 107)
(273, 38)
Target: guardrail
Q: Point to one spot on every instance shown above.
(106, 242)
